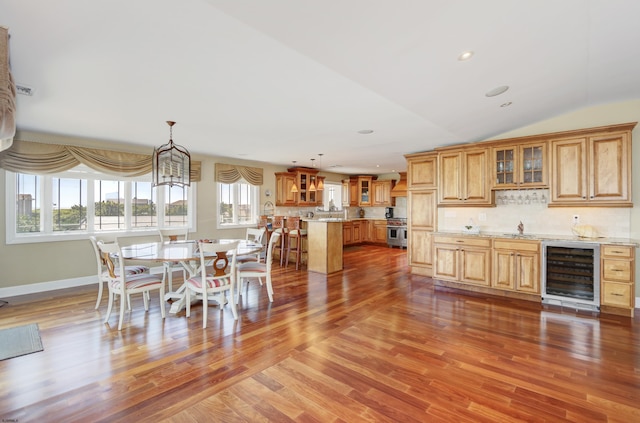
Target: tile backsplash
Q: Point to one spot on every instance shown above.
(537, 217)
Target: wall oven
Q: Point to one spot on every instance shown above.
(397, 232)
(571, 274)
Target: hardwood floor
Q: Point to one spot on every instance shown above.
(370, 343)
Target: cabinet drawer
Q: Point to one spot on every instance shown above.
(617, 251)
(616, 294)
(617, 270)
(508, 244)
(473, 242)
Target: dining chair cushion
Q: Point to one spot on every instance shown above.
(196, 281)
(129, 270)
(137, 281)
(252, 266)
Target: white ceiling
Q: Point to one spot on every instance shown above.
(285, 80)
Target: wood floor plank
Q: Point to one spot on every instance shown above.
(371, 343)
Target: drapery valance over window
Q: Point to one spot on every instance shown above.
(228, 174)
(7, 94)
(42, 158)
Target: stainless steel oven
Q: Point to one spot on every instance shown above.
(397, 232)
(571, 274)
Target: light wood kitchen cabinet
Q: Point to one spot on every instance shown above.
(520, 166)
(462, 259)
(617, 270)
(378, 232)
(463, 178)
(592, 169)
(422, 212)
(347, 233)
(284, 184)
(365, 193)
(306, 183)
(516, 265)
(382, 193)
(422, 170)
(357, 234)
(346, 193)
(353, 231)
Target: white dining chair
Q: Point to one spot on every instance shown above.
(168, 267)
(103, 272)
(121, 284)
(214, 285)
(254, 235)
(254, 269)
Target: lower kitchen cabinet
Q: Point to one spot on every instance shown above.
(617, 270)
(462, 259)
(378, 233)
(516, 265)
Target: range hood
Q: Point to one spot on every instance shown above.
(400, 189)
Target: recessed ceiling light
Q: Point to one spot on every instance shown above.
(365, 131)
(507, 104)
(497, 91)
(465, 55)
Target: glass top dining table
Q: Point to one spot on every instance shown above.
(177, 251)
(184, 252)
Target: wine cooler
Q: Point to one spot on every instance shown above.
(571, 274)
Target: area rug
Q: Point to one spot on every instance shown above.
(20, 340)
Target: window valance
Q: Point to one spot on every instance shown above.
(7, 94)
(42, 158)
(228, 174)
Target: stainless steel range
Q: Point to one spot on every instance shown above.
(397, 232)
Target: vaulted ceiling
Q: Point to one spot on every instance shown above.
(286, 80)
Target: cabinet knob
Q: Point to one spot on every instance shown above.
(616, 294)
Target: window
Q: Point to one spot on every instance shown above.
(332, 196)
(238, 205)
(51, 207)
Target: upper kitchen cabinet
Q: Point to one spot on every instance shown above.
(382, 193)
(298, 187)
(592, 167)
(422, 171)
(462, 178)
(285, 195)
(365, 193)
(360, 191)
(520, 166)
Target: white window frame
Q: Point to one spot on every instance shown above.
(81, 172)
(255, 207)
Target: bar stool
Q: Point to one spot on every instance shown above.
(263, 222)
(294, 239)
(277, 224)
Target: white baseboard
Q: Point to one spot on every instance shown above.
(34, 288)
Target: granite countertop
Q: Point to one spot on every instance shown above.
(340, 219)
(544, 237)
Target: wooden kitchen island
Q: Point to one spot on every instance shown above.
(324, 246)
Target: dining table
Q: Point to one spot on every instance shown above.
(185, 252)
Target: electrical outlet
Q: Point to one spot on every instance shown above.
(482, 217)
(576, 219)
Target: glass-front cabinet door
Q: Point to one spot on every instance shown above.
(505, 167)
(364, 190)
(303, 189)
(520, 166)
(532, 165)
